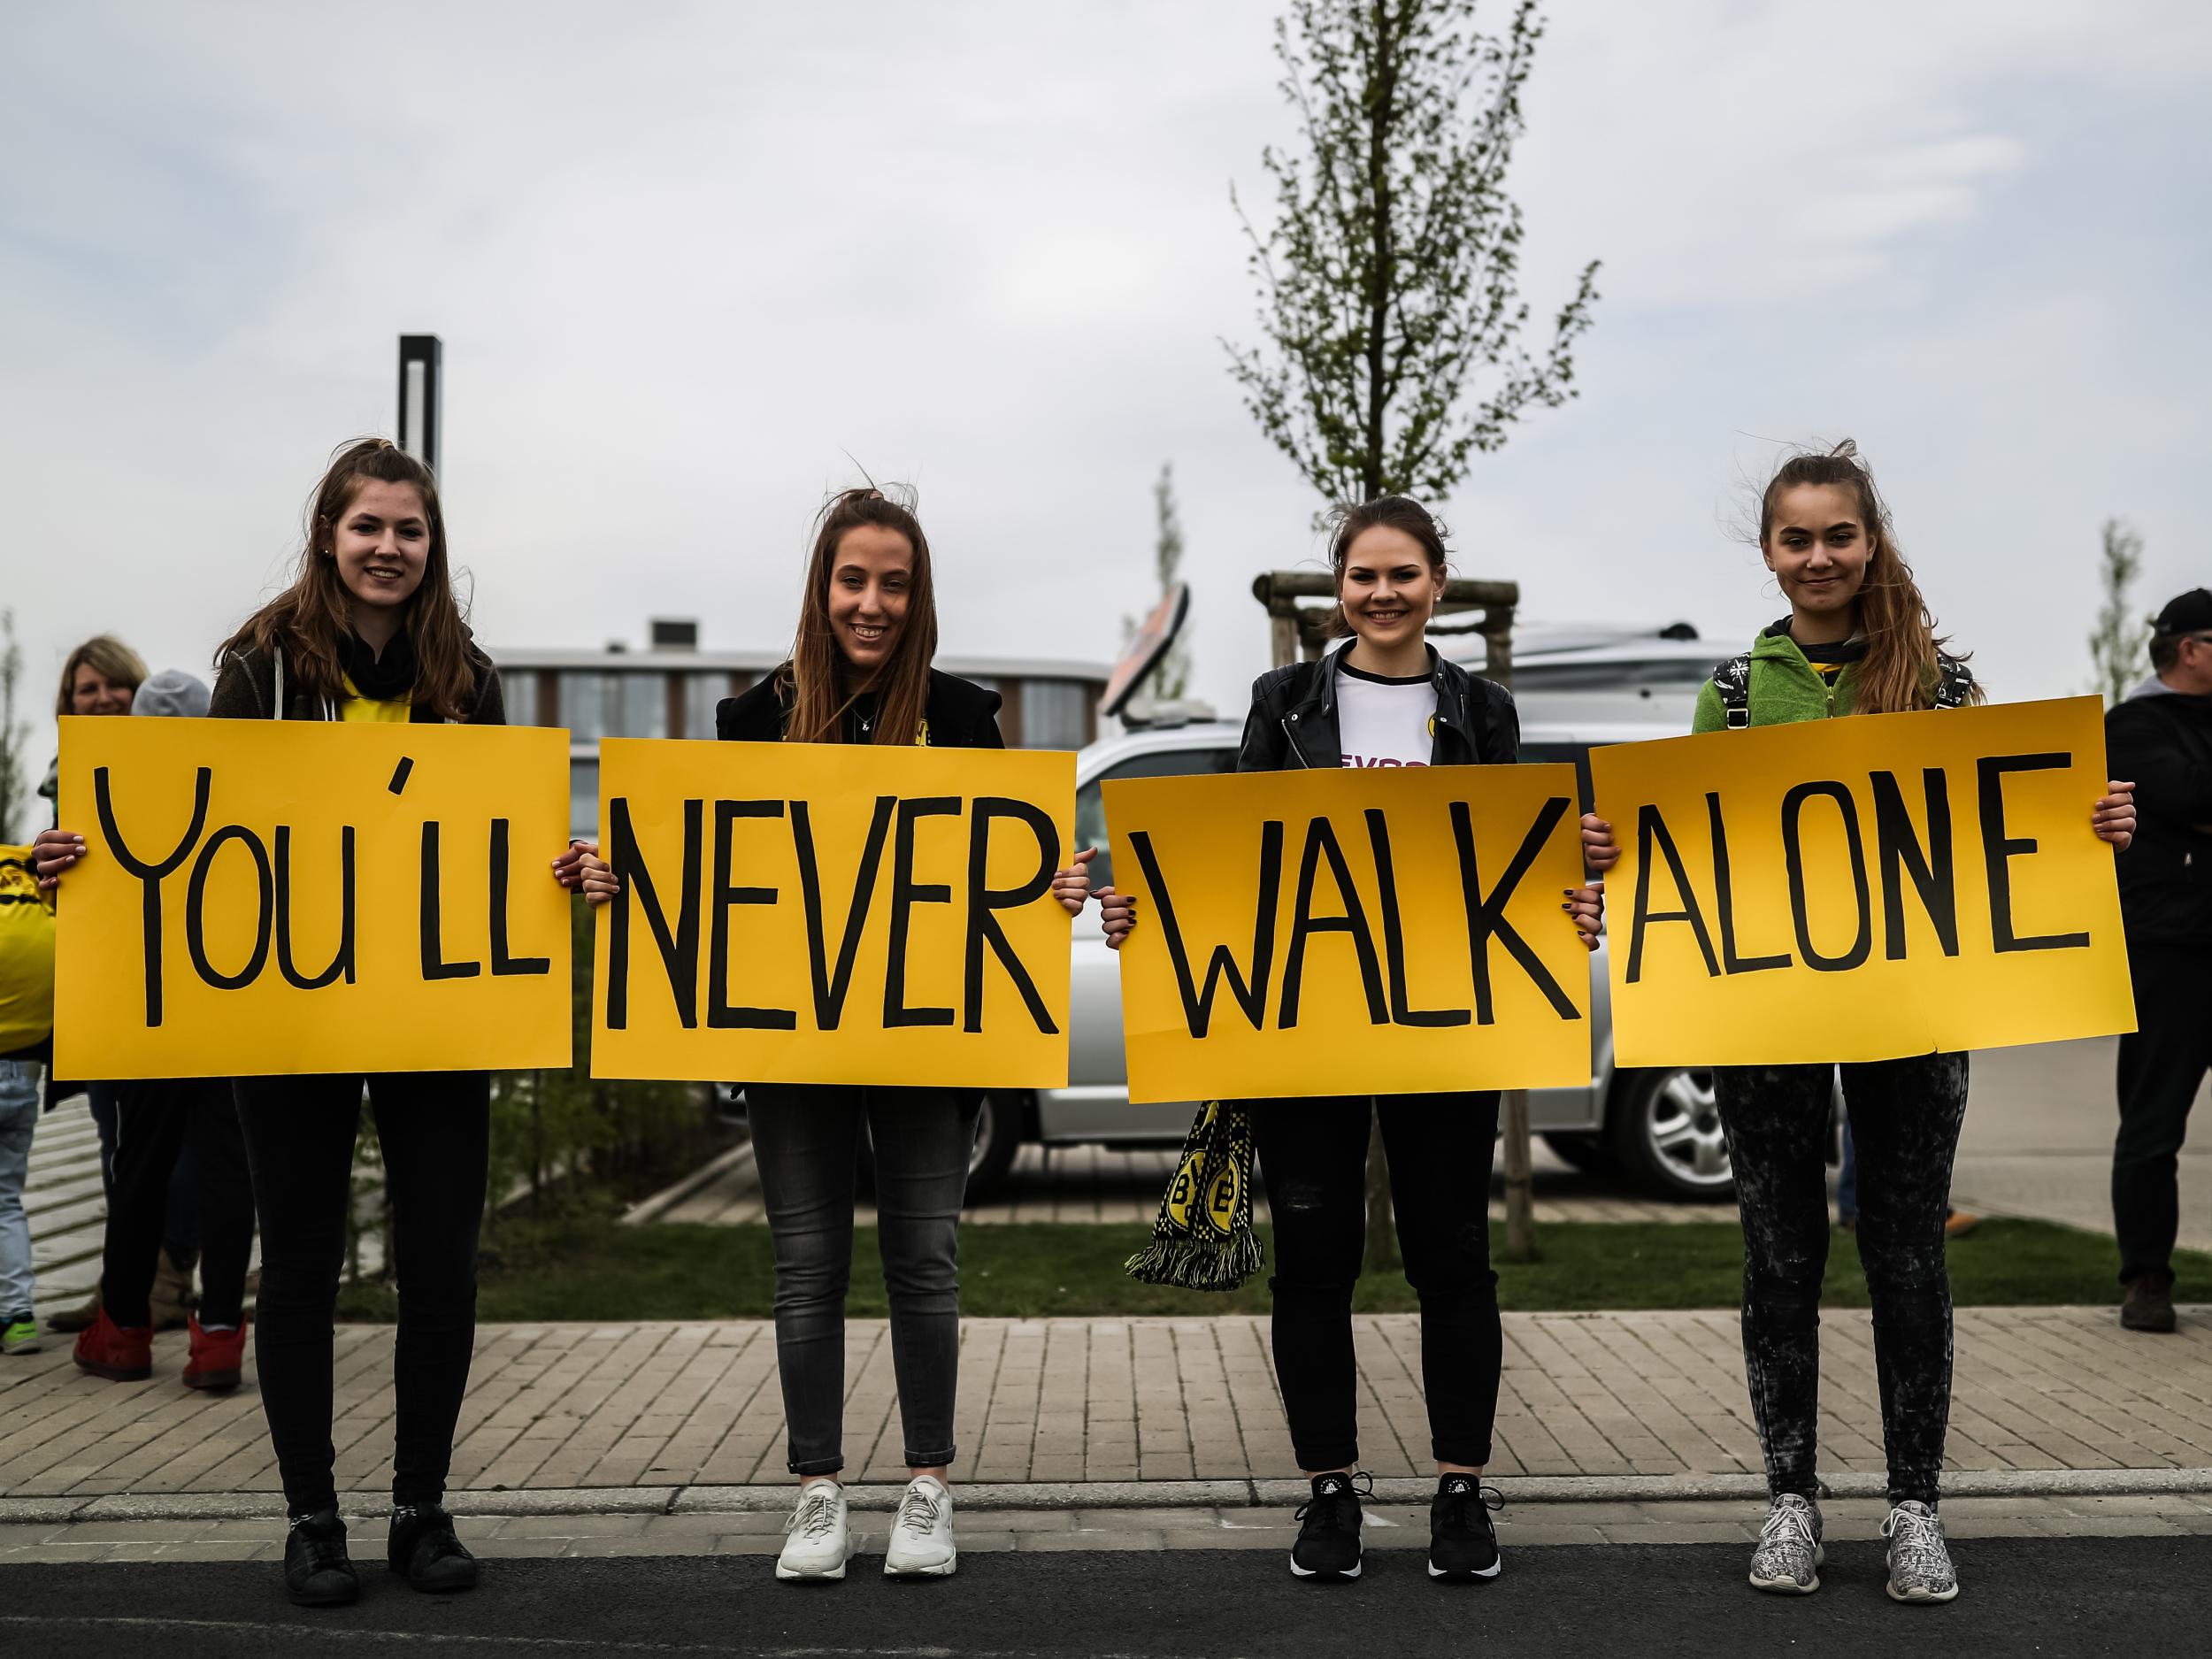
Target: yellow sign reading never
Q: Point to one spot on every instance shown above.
(1862, 889)
(833, 913)
(1351, 932)
(267, 897)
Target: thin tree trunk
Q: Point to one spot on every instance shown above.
(1382, 277)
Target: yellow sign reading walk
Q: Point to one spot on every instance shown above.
(1862, 889)
(269, 896)
(833, 913)
(1353, 932)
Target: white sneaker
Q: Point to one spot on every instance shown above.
(818, 1539)
(921, 1538)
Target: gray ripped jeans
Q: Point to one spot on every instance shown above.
(1905, 1118)
(804, 1141)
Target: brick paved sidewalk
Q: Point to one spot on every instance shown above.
(674, 1406)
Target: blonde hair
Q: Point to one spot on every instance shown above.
(107, 656)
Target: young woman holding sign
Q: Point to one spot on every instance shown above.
(1387, 699)
(1859, 638)
(369, 630)
(860, 673)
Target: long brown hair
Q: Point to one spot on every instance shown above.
(818, 671)
(310, 620)
(1346, 523)
(1901, 669)
(111, 659)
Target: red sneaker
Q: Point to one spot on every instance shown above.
(215, 1356)
(110, 1350)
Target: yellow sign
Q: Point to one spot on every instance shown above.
(833, 913)
(269, 896)
(1862, 889)
(1351, 932)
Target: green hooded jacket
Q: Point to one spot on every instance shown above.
(1784, 688)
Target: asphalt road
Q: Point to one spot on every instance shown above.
(2134, 1596)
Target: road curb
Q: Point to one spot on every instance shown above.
(660, 1203)
(1102, 1494)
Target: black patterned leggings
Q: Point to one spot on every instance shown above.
(1905, 1118)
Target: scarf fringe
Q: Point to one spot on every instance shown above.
(1197, 1264)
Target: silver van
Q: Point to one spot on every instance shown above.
(1659, 1129)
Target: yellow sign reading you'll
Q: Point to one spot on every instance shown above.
(833, 913)
(269, 896)
(1863, 888)
(1353, 932)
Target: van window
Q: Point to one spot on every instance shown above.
(1090, 803)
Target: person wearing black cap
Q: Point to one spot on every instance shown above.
(2161, 735)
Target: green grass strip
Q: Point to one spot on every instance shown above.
(592, 1268)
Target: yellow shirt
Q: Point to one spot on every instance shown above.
(354, 706)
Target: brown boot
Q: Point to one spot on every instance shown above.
(77, 1318)
(171, 1300)
(2150, 1303)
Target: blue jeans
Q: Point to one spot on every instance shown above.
(18, 1117)
(805, 1140)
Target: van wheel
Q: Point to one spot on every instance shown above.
(998, 1138)
(1664, 1129)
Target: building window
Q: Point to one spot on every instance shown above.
(643, 707)
(583, 796)
(518, 690)
(584, 701)
(1055, 713)
(702, 693)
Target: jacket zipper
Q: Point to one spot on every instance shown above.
(1291, 738)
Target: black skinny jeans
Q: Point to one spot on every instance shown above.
(1905, 1118)
(435, 1129)
(158, 1123)
(1313, 1156)
(2163, 1063)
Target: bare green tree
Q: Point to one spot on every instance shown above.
(15, 771)
(2117, 647)
(1388, 283)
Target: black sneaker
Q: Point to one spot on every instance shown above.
(1328, 1540)
(1462, 1543)
(422, 1550)
(317, 1569)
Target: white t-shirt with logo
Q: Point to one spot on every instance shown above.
(1384, 722)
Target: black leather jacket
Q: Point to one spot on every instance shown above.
(961, 714)
(1293, 722)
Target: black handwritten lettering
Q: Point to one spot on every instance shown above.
(720, 1015)
(830, 987)
(434, 966)
(196, 908)
(1897, 850)
(1725, 899)
(1249, 987)
(1652, 835)
(1321, 843)
(1998, 850)
(983, 901)
(505, 965)
(906, 893)
(342, 961)
(151, 875)
(1486, 915)
(1402, 1011)
(679, 951)
(1794, 858)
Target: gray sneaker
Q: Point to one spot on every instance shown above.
(1919, 1560)
(1789, 1553)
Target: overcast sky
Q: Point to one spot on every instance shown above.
(686, 258)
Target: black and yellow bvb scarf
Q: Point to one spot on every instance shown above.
(1202, 1238)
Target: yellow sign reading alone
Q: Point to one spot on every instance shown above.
(833, 913)
(1862, 889)
(1351, 932)
(269, 896)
